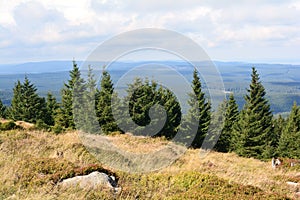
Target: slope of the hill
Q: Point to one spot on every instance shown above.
(31, 167)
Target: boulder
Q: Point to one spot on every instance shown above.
(91, 181)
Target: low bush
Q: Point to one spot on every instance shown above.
(10, 125)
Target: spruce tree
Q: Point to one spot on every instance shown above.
(144, 97)
(52, 107)
(254, 128)
(26, 104)
(141, 96)
(87, 121)
(199, 114)
(2, 110)
(173, 110)
(15, 110)
(103, 104)
(290, 137)
(71, 97)
(217, 124)
(279, 126)
(225, 141)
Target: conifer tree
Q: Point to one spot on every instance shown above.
(142, 96)
(71, 97)
(173, 110)
(231, 115)
(216, 124)
(290, 137)
(2, 110)
(87, 121)
(52, 107)
(15, 110)
(279, 126)
(199, 114)
(26, 104)
(103, 104)
(254, 128)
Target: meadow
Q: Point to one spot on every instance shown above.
(31, 169)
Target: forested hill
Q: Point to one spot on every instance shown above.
(280, 80)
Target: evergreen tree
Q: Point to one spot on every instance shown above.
(103, 104)
(279, 126)
(59, 121)
(290, 137)
(173, 110)
(199, 114)
(231, 115)
(71, 97)
(217, 124)
(141, 96)
(144, 97)
(254, 128)
(2, 110)
(15, 110)
(87, 115)
(52, 107)
(26, 104)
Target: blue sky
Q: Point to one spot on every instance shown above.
(249, 31)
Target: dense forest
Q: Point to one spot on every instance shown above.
(252, 131)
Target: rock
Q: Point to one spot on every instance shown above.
(297, 194)
(25, 125)
(91, 181)
(292, 184)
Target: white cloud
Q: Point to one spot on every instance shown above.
(220, 27)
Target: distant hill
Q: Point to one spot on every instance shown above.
(36, 67)
(282, 81)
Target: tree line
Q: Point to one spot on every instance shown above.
(252, 131)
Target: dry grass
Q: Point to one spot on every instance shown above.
(29, 164)
(245, 171)
(139, 144)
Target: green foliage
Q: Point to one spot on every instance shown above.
(10, 125)
(173, 110)
(86, 117)
(2, 110)
(103, 104)
(41, 125)
(52, 107)
(26, 104)
(290, 137)
(143, 98)
(226, 138)
(71, 97)
(198, 117)
(254, 129)
(59, 122)
(279, 124)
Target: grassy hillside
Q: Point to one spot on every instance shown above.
(30, 169)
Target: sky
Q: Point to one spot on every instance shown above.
(248, 31)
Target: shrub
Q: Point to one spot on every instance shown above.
(57, 129)
(41, 125)
(8, 126)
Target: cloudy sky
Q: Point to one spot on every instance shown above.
(250, 31)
